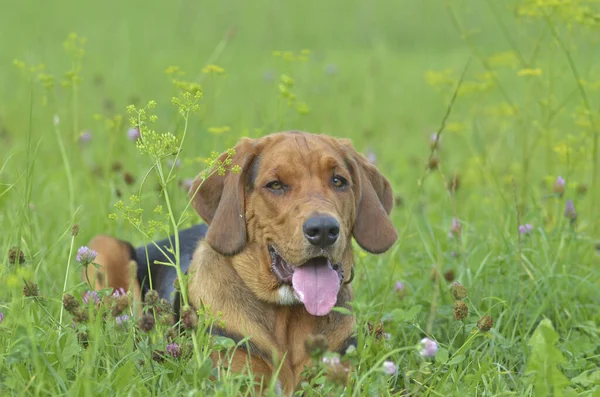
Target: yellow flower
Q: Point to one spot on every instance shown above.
(213, 69)
(529, 72)
(219, 130)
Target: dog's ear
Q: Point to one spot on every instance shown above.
(373, 228)
(219, 200)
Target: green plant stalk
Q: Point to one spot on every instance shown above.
(62, 308)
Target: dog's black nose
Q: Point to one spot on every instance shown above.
(321, 230)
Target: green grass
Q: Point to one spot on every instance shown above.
(380, 72)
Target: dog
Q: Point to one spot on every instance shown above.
(275, 254)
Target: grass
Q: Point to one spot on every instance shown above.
(380, 72)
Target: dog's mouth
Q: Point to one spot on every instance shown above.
(316, 282)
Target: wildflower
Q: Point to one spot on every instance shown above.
(455, 228)
(15, 255)
(146, 323)
(70, 303)
(429, 347)
(390, 368)
(400, 288)
(85, 255)
(458, 291)
(1, 317)
(485, 323)
(316, 345)
(525, 229)
(173, 350)
(435, 140)
(122, 319)
(85, 136)
(461, 310)
(75, 230)
(570, 212)
(90, 296)
(559, 186)
(119, 292)
(133, 134)
(31, 289)
(335, 371)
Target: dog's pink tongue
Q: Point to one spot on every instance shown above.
(316, 284)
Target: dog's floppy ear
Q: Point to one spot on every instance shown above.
(373, 229)
(219, 200)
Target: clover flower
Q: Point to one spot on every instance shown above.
(525, 229)
(429, 347)
(390, 368)
(133, 134)
(559, 186)
(570, 212)
(173, 350)
(85, 255)
(89, 296)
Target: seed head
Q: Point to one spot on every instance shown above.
(30, 289)
(146, 323)
(171, 334)
(75, 230)
(189, 318)
(485, 323)
(70, 303)
(121, 303)
(128, 178)
(83, 339)
(458, 291)
(449, 275)
(151, 298)
(15, 255)
(461, 310)
(434, 162)
(454, 183)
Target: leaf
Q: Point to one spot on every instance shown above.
(544, 360)
(442, 356)
(457, 359)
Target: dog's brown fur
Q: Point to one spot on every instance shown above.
(231, 269)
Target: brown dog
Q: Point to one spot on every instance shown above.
(277, 254)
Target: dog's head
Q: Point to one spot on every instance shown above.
(290, 214)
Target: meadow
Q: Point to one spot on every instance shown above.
(483, 114)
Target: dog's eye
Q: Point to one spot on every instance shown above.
(274, 185)
(339, 182)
